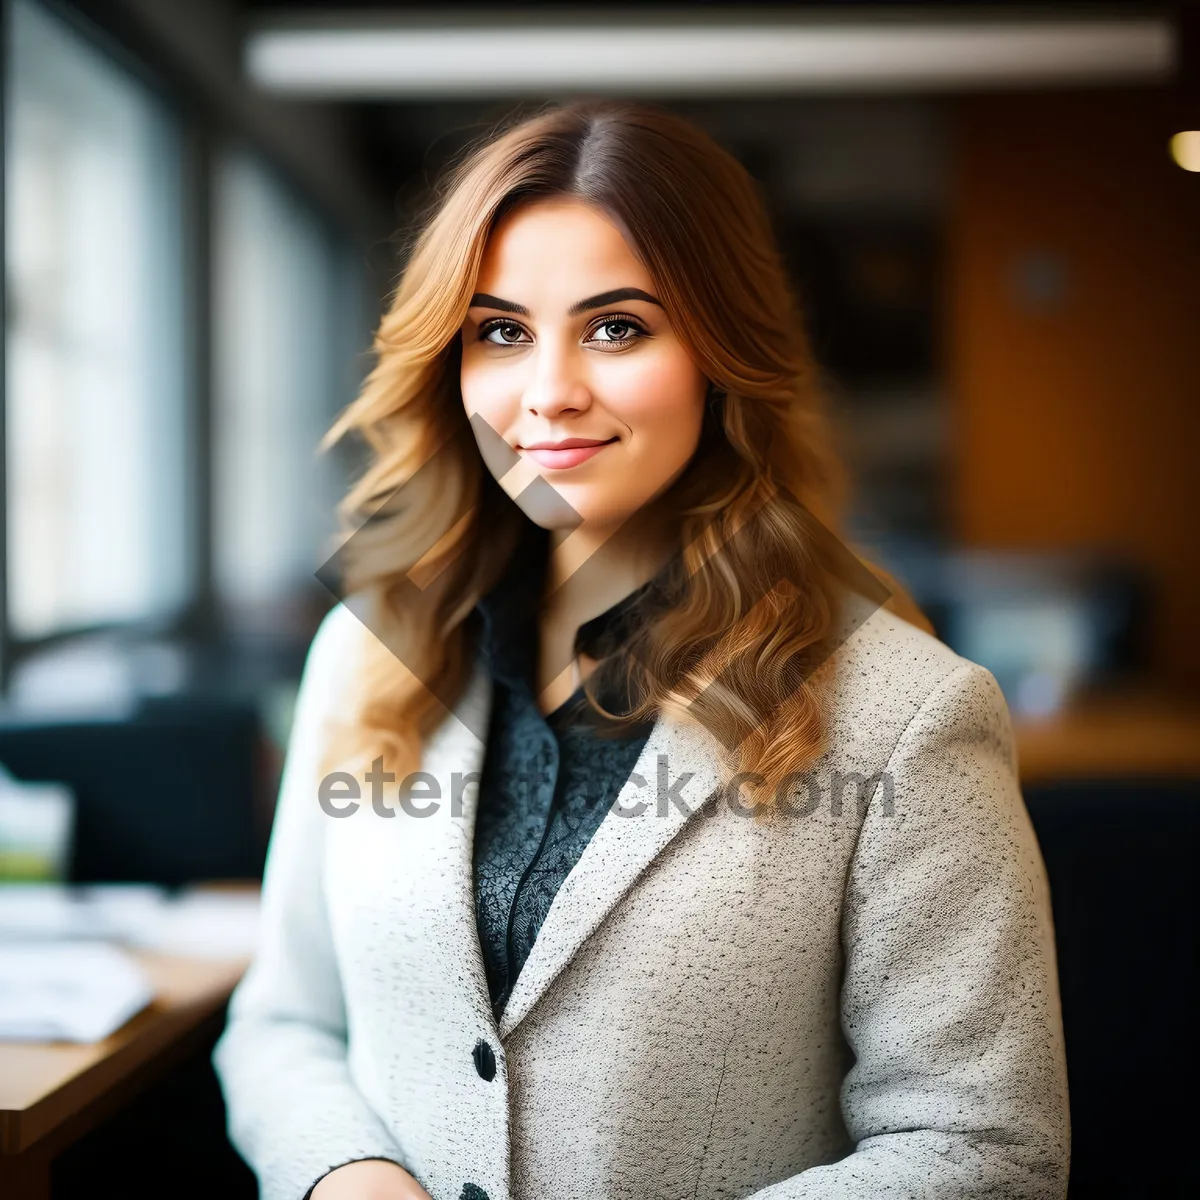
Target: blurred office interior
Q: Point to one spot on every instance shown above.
(992, 216)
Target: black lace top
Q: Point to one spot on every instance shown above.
(547, 781)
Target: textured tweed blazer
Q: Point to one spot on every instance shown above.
(859, 1000)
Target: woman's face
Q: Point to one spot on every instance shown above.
(565, 340)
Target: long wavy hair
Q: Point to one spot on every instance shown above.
(725, 645)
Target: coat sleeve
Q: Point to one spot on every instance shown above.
(949, 998)
(294, 1112)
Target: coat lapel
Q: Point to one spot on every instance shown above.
(674, 757)
(455, 748)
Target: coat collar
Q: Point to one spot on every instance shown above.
(626, 843)
(507, 615)
(622, 848)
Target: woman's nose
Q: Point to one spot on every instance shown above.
(557, 385)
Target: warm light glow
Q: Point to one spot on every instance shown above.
(1185, 149)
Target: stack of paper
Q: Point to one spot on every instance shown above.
(200, 924)
(195, 923)
(68, 991)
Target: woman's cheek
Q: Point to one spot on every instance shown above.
(488, 402)
(665, 429)
(663, 390)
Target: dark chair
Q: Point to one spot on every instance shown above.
(171, 796)
(1120, 857)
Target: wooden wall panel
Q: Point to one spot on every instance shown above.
(1076, 417)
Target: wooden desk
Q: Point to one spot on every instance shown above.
(53, 1092)
(1132, 734)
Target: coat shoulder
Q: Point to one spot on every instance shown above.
(882, 674)
(891, 654)
(339, 632)
(335, 655)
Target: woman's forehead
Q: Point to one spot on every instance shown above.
(558, 243)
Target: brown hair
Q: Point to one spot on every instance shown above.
(753, 503)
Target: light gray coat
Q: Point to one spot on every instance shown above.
(838, 1004)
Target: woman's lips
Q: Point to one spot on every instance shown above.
(558, 460)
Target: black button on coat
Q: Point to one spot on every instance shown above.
(485, 1059)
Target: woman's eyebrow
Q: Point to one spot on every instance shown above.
(483, 300)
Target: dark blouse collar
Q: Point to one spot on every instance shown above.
(508, 624)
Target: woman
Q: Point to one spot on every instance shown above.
(711, 877)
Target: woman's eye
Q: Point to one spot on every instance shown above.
(509, 334)
(617, 331)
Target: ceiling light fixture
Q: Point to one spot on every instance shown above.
(333, 57)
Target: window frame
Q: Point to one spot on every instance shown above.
(204, 123)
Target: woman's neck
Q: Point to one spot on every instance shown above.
(588, 571)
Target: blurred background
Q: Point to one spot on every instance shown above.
(992, 215)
